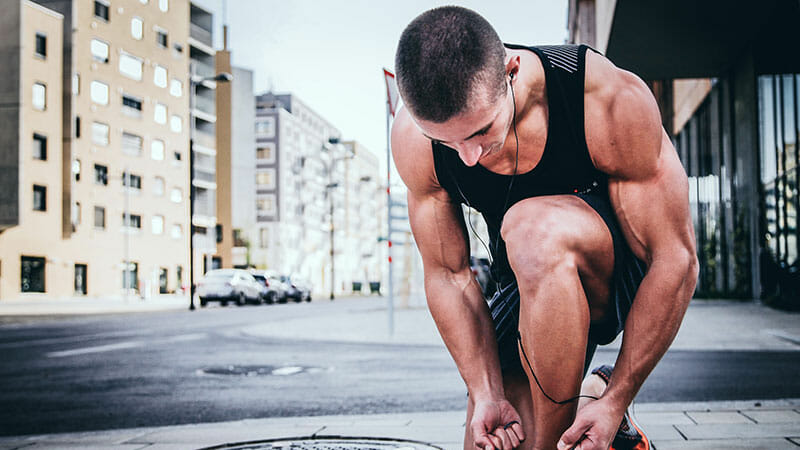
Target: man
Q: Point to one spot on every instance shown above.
(586, 204)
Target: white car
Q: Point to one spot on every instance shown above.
(226, 285)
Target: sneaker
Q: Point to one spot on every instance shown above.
(629, 435)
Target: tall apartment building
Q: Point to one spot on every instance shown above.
(729, 94)
(297, 169)
(95, 176)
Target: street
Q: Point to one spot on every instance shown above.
(177, 367)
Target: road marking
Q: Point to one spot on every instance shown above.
(96, 349)
(291, 370)
(123, 345)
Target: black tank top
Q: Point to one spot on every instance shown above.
(565, 166)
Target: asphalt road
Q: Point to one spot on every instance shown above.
(166, 368)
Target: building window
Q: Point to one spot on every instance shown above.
(76, 83)
(39, 198)
(99, 50)
(32, 274)
(265, 179)
(132, 221)
(158, 186)
(100, 133)
(100, 217)
(131, 144)
(263, 237)
(77, 127)
(100, 174)
(266, 127)
(177, 231)
(132, 102)
(161, 38)
(41, 45)
(160, 113)
(130, 275)
(136, 28)
(179, 277)
(39, 96)
(177, 156)
(163, 5)
(218, 232)
(99, 92)
(265, 205)
(175, 124)
(39, 147)
(76, 215)
(157, 150)
(175, 88)
(176, 195)
(266, 152)
(76, 169)
(160, 76)
(80, 279)
(130, 66)
(131, 181)
(162, 280)
(101, 10)
(157, 224)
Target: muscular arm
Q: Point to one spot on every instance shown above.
(454, 297)
(649, 192)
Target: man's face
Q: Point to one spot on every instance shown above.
(479, 131)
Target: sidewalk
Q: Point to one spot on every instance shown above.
(773, 425)
(709, 324)
(47, 306)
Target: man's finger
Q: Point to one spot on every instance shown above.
(501, 434)
(512, 436)
(572, 436)
(518, 431)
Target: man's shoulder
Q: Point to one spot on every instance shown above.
(623, 124)
(413, 154)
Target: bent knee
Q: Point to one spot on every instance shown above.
(538, 236)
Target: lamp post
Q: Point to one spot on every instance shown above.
(223, 77)
(329, 191)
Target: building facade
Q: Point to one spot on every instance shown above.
(728, 92)
(101, 174)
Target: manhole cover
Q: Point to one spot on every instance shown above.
(251, 371)
(328, 443)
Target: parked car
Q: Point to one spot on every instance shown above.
(274, 289)
(298, 288)
(226, 285)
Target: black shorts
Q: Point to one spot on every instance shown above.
(628, 274)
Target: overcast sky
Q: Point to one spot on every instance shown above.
(331, 53)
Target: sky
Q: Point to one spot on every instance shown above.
(331, 53)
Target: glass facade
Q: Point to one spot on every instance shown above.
(707, 149)
(778, 131)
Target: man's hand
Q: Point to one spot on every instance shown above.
(496, 425)
(594, 428)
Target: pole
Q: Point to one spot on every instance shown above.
(191, 214)
(390, 299)
(126, 274)
(330, 200)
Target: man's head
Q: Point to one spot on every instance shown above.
(447, 57)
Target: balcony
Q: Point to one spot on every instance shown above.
(205, 176)
(201, 34)
(206, 105)
(202, 70)
(204, 139)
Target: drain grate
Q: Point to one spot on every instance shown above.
(329, 443)
(252, 371)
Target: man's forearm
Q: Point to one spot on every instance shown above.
(463, 320)
(651, 326)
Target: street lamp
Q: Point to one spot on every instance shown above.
(329, 191)
(223, 77)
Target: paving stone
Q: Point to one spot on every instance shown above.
(659, 432)
(654, 418)
(710, 417)
(416, 433)
(777, 416)
(739, 430)
(14, 445)
(728, 444)
(796, 440)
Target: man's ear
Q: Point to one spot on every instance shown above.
(512, 65)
